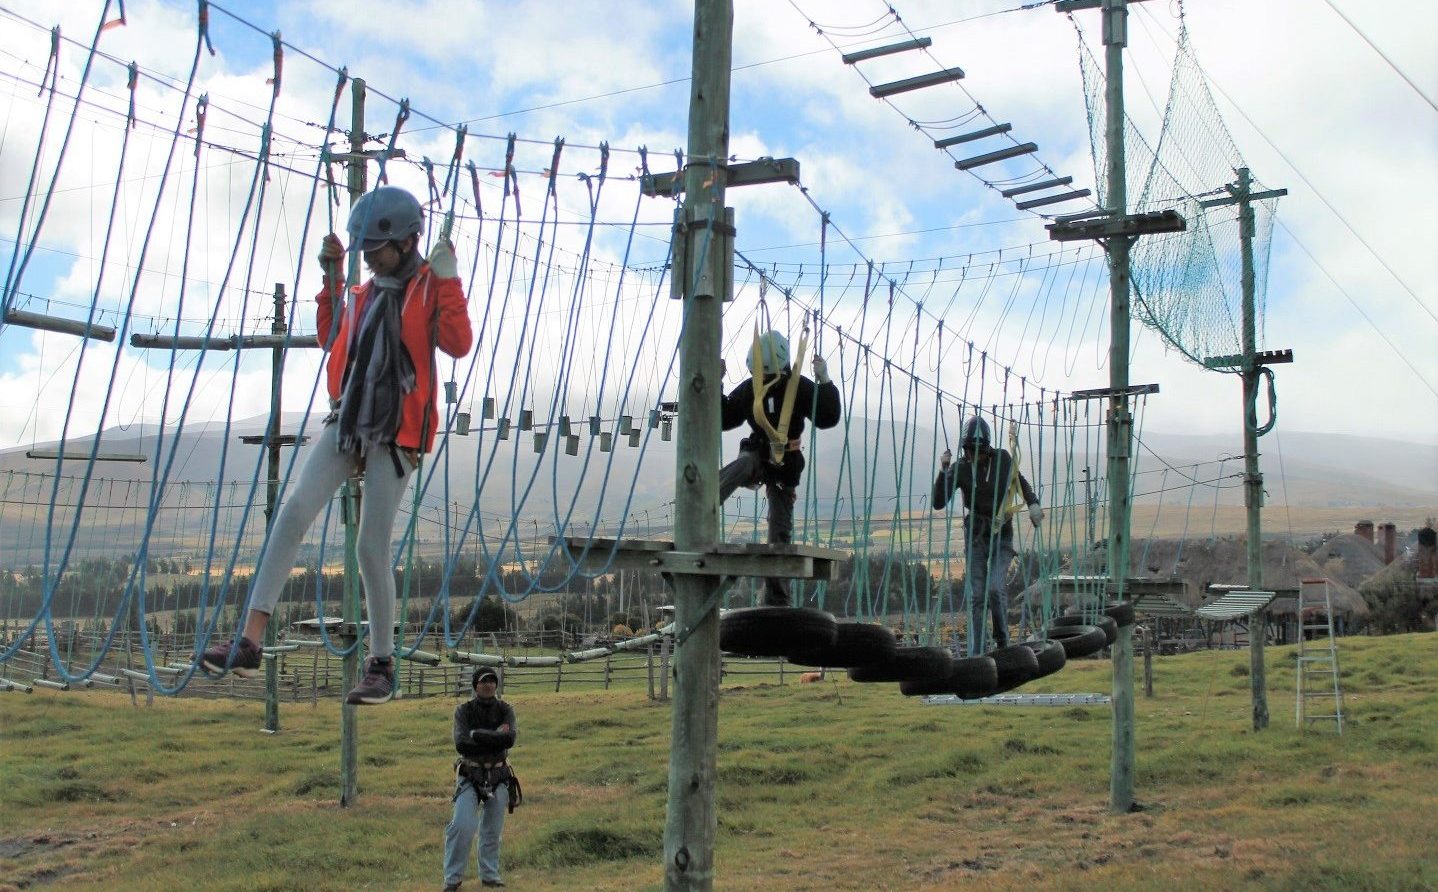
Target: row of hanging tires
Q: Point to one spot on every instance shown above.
(810, 637)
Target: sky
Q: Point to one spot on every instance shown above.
(1311, 106)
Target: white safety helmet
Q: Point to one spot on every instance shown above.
(388, 214)
(773, 349)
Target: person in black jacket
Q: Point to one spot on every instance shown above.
(771, 454)
(982, 477)
(484, 730)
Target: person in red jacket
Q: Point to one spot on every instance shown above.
(381, 377)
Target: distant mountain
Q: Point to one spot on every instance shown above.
(507, 477)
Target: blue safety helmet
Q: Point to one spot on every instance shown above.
(388, 214)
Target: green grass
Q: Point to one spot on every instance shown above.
(820, 786)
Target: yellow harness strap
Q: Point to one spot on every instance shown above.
(778, 436)
(1014, 498)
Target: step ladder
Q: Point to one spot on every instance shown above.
(1319, 695)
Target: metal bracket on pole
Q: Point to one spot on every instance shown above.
(749, 173)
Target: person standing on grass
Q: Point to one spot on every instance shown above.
(381, 379)
(982, 478)
(485, 787)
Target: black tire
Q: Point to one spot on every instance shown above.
(1109, 626)
(975, 677)
(773, 631)
(857, 644)
(1078, 641)
(907, 663)
(1016, 665)
(1050, 656)
(1121, 613)
(970, 678)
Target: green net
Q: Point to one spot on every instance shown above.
(1187, 285)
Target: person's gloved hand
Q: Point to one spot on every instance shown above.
(332, 254)
(441, 259)
(1036, 515)
(821, 370)
(946, 459)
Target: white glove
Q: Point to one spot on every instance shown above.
(332, 254)
(946, 459)
(441, 259)
(821, 370)
(1036, 515)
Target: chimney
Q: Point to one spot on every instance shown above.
(1390, 541)
(1428, 553)
(1364, 528)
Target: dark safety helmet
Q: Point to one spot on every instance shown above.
(976, 433)
(481, 673)
(388, 214)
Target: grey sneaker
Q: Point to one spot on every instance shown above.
(242, 659)
(491, 882)
(451, 887)
(377, 685)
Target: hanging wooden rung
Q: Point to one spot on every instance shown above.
(606, 441)
(526, 419)
(666, 430)
(501, 429)
(1035, 187)
(540, 438)
(917, 43)
(564, 426)
(892, 88)
(634, 437)
(451, 392)
(594, 425)
(1051, 199)
(1000, 155)
(487, 411)
(626, 424)
(461, 424)
(970, 137)
(571, 444)
(653, 418)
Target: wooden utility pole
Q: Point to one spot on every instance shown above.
(1117, 231)
(705, 239)
(350, 496)
(1249, 364)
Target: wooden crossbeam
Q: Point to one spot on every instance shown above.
(1035, 187)
(1000, 155)
(970, 137)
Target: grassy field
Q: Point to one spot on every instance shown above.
(820, 786)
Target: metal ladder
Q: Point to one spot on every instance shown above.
(1318, 684)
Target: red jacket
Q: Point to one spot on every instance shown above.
(434, 315)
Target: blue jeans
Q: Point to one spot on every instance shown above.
(987, 555)
(471, 818)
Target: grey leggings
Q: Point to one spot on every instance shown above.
(324, 471)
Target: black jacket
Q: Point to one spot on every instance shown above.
(819, 403)
(476, 734)
(982, 484)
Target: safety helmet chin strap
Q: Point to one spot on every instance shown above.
(778, 436)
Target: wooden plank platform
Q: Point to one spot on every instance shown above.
(1152, 597)
(726, 559)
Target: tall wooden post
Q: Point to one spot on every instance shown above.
(1248, 363)
(691, 820)
(272, 495)
(350, 497)
(1120, 421)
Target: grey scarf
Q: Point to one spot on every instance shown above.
(380, 370)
